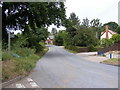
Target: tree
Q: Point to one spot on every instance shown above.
(85, 37)
(85, 22)
(96, 26)
(60, 38)
(72, 31)
(118, 30)
(54, 31)
(35, 36)
(41, 13)
(74, 20)
(112, 25)
(95, 23)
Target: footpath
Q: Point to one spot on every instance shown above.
(92, 56)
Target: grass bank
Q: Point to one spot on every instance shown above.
(113, 61)
(20, 62)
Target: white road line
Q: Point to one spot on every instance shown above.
(34, 85)
(20, 86)
(29, 80)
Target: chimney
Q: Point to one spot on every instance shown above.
(107, 31)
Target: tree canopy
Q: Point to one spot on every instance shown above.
(42, 14)
(112, 25)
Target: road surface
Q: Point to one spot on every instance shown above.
(59, 68)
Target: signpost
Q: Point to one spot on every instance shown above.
(9, 42)
(10, 35)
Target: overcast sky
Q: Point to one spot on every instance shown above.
(105, 10)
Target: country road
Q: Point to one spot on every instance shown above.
(59, 68)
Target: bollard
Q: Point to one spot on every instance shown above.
(110, 55)
(102, 53)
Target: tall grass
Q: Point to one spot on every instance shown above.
(14, 66)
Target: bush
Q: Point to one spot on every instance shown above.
(39, 47)
(106, 42)
(70, 47)
(116, 38)
(91, 48)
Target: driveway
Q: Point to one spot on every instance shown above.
(59, 68)
(92, 56)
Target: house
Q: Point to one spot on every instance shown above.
(107, 33)
(50, 40)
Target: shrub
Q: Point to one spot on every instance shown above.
(116, 38)
(39, 47)
(71, 47)
(106, 42)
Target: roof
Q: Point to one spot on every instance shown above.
(110, 31)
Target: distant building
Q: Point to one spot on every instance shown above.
(50, 40)
(107, 33)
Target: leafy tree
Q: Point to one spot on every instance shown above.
(112, 25)
(41, 13)
(85, 37)
(67, 23)
(96, 26)
(95, 23)
(85, 22)
(35, 36)
(118, 30)
(74, 20)
(72, 31)
(60, 38)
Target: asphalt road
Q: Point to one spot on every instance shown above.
(59, 68)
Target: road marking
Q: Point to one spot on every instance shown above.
(34, 85)
(29, 80)
(20, 86)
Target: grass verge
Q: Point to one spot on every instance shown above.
(113, 61)
(14, 66)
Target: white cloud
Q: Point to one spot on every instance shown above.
(53, 26)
